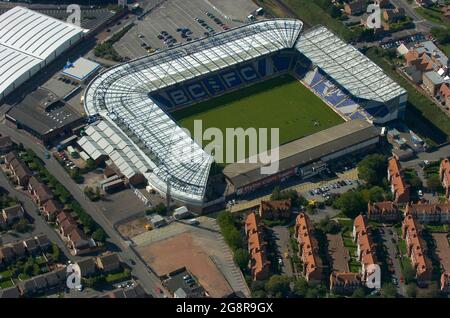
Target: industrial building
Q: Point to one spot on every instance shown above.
(44, 116)
(29, 41)
(80, 71)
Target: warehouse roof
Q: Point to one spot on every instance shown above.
(33, 33)
(35, 112)
(305, 150)
(81, 69)
(347, 66)
(27, 40)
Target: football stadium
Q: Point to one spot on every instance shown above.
(323, 94)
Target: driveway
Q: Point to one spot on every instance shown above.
(281, 237)
(392, 251)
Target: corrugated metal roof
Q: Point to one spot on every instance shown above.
(27, 40)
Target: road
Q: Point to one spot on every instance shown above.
(149, 281)
(437, 154)
(422, 25)
(392, 250)
(281, 237)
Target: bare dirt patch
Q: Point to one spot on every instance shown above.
(133, 228)
(182, 250)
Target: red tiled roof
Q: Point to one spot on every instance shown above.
(256, 246)
(411, 230)
(309, 246)
(400, 188)
(364, 240)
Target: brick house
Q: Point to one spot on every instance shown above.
(308, 249)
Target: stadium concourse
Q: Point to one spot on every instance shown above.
(28, 42)
(137, 97)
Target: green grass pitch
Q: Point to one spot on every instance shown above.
(281, 102)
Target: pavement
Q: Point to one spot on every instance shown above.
(392, 252)
(149, 281)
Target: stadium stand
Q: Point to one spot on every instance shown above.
(138, 95)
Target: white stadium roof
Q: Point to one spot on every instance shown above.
(28, 41)
(121, 94)
(346, 65)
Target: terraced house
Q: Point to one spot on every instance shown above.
(429, 213)
(399, 189)
(386, 211)
(366, 253)
(259, 264)
(444, 176)
(308, 249)
(416, 249)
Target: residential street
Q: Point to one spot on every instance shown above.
(281, 237)
(392, 250)
(149, 281)
(422, 25)
(40, 225)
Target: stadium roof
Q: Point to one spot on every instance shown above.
(121, 95)
(29, 39)
(347, 66)
(305, 150)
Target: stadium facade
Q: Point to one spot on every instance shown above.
(136, 97)
(29, 41)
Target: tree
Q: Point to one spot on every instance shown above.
(90, 164)
(312, 293)
(359, 293)
(28, 267)
(22, 226)
(374, 194)
(372, 169)
(411, 290)
(433, 183)
(329, 226)
(276, 193)
(259, 294)
(99, 235)
(241, 258)
(351, 203)
(278, 285)
(300, 287)
(389, 291)
(408, 272)
(442, 35)
(229, 230)
(56, 253)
